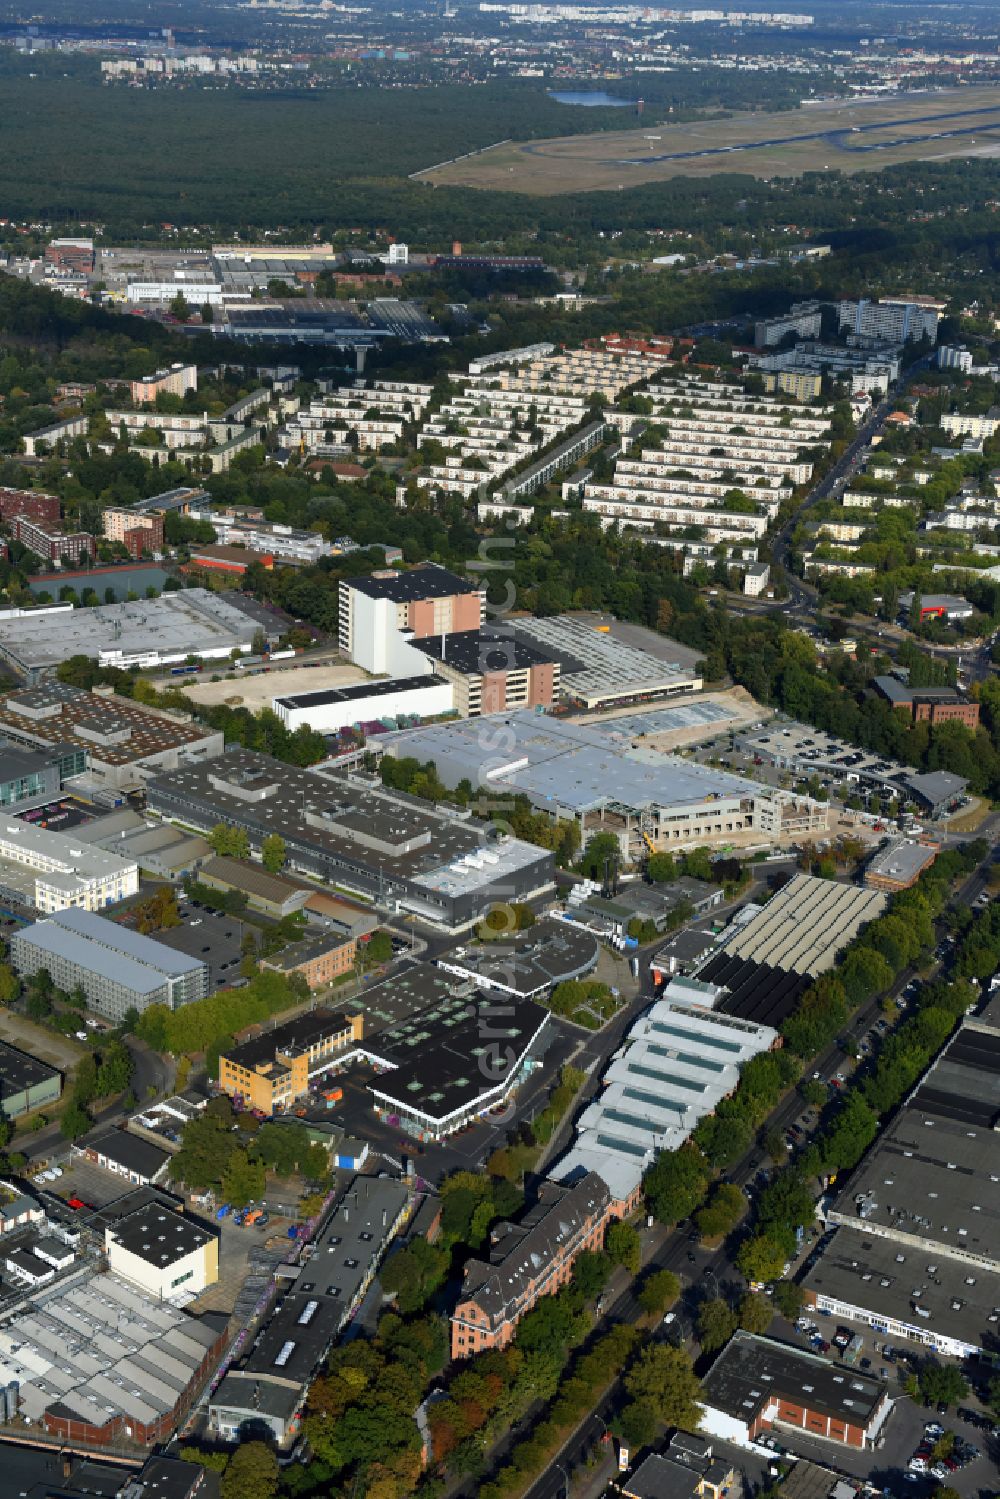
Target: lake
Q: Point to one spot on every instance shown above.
(592, 100)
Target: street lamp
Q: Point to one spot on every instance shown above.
(565, 1475)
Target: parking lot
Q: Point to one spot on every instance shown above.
(216, 939)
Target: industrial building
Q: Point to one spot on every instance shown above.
(320, 960)
(403, 854)
(598, 671)
(271, 1070)
(905, 1295)
(25, 1082)
(336, 708)
(492, 670)
(96, 1362)
(757, 1385)
(525, 964)
(928, 1184)
(124, 1154)
(146, 632)
(267, 1390)
(161, 1250)
(448, 1066)
(115, 741)
(275, 895)
(678, 1061)
(595, 774)
(932, 705)
(32, 777)
(379, 615)
(899, 863)
(806, 925)
(527, 1260)
(53, 871)
(118, 969)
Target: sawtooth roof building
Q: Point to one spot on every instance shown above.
(806, 924)
(401, 853)
(675, 1065)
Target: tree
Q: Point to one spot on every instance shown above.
(755, 1313)
(414, 1273)
(676, 1183)
(623, 1246)
(788, 1298)
(660, 868)
(942, 1384)
(10, 986)
(659, 1292)
(761, 1258)
(75, 1121)
(378, 949)
(180, 307)
(252, 1473)
(242, 1180)
(229, 841)
(272, 853)
(115, 1071)
(590, 1273)
(665, 1378)
(716, 1324)
(601, 849)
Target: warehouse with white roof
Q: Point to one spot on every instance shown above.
(675, 1066)
(598, 775)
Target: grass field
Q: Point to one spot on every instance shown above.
(843, 135)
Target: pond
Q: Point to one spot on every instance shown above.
(592, 100)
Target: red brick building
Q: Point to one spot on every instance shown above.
(757, 1384)
(528, 1260)
(34, 504)
(50, 544)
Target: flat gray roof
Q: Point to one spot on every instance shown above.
(561, 764)
(595, 665)
(106, 948)
(190, 622)
(891, 1280)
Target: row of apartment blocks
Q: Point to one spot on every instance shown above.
(717, 440)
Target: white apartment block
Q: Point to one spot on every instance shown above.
(805, 320)
(894, 319)
(969, 424)
(177, 431)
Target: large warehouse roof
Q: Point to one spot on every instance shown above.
(560, 764)
(596, 668)
(805, 926)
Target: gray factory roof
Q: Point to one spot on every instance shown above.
(901, 859)
(106, 948)
(595, 665)
(561, 764)
(188, 622)
(752, 1371)
(98, 1348)
(891, 1280)
(527, 963)
(376, 828)
(697, 714)
(805, 926)
(930, 1176)
(19, 1071)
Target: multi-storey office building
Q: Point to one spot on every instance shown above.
(380, 614)
(52, 871)
(116, 968)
